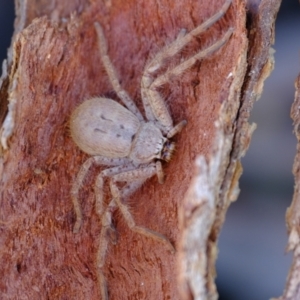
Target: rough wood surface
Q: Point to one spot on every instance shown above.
(55, 66)
(215, 184)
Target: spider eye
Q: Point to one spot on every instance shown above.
(167, 151)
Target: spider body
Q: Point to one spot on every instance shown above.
(130, 145)
(101, 126)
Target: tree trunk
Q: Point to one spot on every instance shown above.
(53, 66)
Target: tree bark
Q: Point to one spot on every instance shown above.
(53, 66)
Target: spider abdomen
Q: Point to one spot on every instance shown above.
(101, 126)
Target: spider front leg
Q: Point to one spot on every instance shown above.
(183, 39)
(178, 70)
(150, 86)
(154, 104)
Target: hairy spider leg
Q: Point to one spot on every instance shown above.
(77, 184)
(154, 105)
(110, 70)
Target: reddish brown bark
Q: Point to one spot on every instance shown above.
(56, 65)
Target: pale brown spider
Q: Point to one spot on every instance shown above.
(123, 140)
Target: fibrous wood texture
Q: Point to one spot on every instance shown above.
(54, 66)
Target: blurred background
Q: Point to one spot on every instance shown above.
(252, 262)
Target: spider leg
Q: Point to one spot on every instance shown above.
(157, 104)
(159, 172)
(183, 39)
(106, 221)
(178, 70)
(110, 70)
(75, 191)
(176, 129)
(107, 231)
(131, 223)
(155, 108)
(127, 190)
(153, 103)
(102, 285)
(100, 181)
(99, 160)
(141, 174)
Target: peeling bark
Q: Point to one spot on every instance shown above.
(197, 207)
(55, 66)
